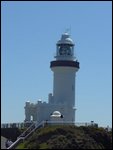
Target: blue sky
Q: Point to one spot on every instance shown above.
(30, 31)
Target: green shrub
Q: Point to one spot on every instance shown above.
(69, 137)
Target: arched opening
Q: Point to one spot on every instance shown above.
(31, 118)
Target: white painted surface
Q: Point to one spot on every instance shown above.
(3, 140)
(63, 97)
(64, 85)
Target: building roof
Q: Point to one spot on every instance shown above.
(65, 39)
(56, 114)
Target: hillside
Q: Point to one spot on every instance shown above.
(69, 137)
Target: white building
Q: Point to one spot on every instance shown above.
(63, 98)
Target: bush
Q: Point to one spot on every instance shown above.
(69, 137)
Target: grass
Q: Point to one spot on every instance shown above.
(43, 146)
(20, 146)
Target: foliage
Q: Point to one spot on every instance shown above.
(69, 137)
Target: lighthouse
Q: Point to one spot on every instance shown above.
(64, 74)
(61, 103)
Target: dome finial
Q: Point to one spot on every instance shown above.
(67, 30)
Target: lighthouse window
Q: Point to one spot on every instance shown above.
(65, 50)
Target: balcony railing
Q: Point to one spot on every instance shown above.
(19, 125)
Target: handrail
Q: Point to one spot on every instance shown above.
(26, 130)
(36, 127)
(22, 137)
(16, 124)
(17, 141)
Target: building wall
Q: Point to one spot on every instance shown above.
(64, 85)
(43, 111)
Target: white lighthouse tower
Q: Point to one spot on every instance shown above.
(61, 103)
(64, 69)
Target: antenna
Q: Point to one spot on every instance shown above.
(68, 30)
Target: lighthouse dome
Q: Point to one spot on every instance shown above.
(65, 39)
(56, 114)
